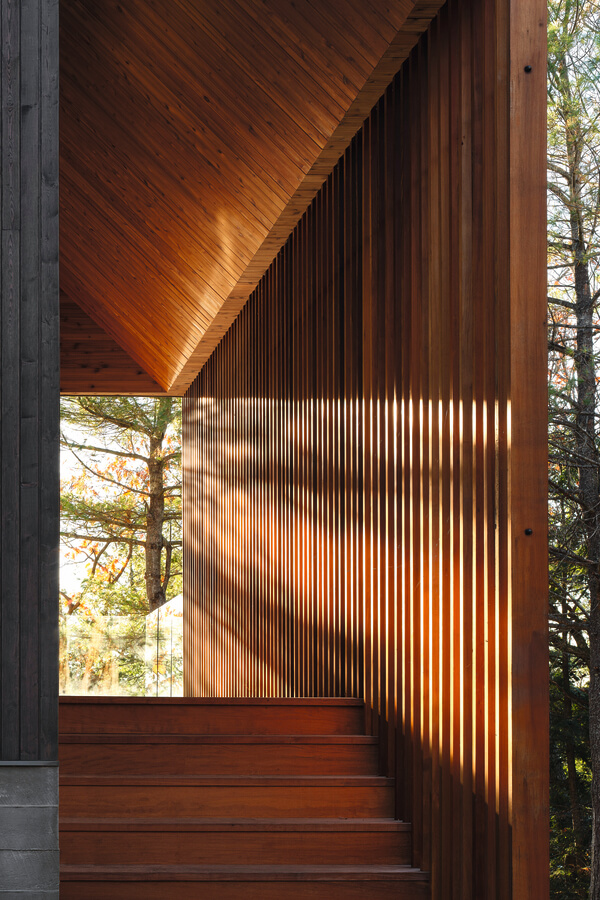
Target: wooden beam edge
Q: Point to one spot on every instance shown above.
(528, 563)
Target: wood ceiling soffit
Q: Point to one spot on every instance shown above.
(416, 23)
(92, 362)
(191, 145)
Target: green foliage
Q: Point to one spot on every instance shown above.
(569, 863)
(109, 502)
(574, 521)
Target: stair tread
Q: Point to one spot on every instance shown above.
(75, 823)
(230, 780)
(150, 738)
(67, 700)
(242, 873)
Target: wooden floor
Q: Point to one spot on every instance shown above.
(227, 798)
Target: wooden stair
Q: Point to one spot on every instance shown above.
(175, 799)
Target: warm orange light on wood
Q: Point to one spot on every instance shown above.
(360, 415)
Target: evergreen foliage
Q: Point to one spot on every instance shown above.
(121, 518)
(574, 443)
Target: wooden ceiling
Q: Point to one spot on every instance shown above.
(194, 134)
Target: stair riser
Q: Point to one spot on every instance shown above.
(218, 759)
(380, 890)
(233, 848)
(224, 801)
(196, 718)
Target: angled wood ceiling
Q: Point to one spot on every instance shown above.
(194, 134)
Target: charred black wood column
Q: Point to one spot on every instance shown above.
(29, 450)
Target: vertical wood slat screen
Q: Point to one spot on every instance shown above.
(347, 469)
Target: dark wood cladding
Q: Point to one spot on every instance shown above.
(29, 381)
(365, 455)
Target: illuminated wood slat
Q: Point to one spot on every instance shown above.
(388, 454)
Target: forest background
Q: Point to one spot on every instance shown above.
(121, 542)
(574, 444)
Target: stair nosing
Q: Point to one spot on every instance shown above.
(234, 824)
(348, 702)
(243, 873)
(231, 780)
(150, 738)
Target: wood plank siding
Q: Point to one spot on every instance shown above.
(91, 361)
(364, 455)
(29, 360)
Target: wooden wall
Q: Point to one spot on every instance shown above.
(29, 381)
(364, 470)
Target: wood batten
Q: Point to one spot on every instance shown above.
(528, 563)
(365, 449)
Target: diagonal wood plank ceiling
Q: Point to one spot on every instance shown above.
(194, 134)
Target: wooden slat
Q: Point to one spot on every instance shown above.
(526, 622)
(10, 413)
(410, 450)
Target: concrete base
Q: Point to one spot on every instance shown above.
(29, 866)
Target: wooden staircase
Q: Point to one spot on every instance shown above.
(228, 798)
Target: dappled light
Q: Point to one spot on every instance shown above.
(358, 507)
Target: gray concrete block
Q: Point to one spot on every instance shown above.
(29, 863)
(29, 870)
(28, 785)
(28, 828)
(28, 895)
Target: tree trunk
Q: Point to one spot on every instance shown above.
(586, 445)
(155, 591)
(573, 780)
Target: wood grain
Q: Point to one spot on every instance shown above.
(235, 842)
(191, 144)
(91, 361)
(29, 381)
(325, 884)
(402, 454)
(526, 765)
(226, 798)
